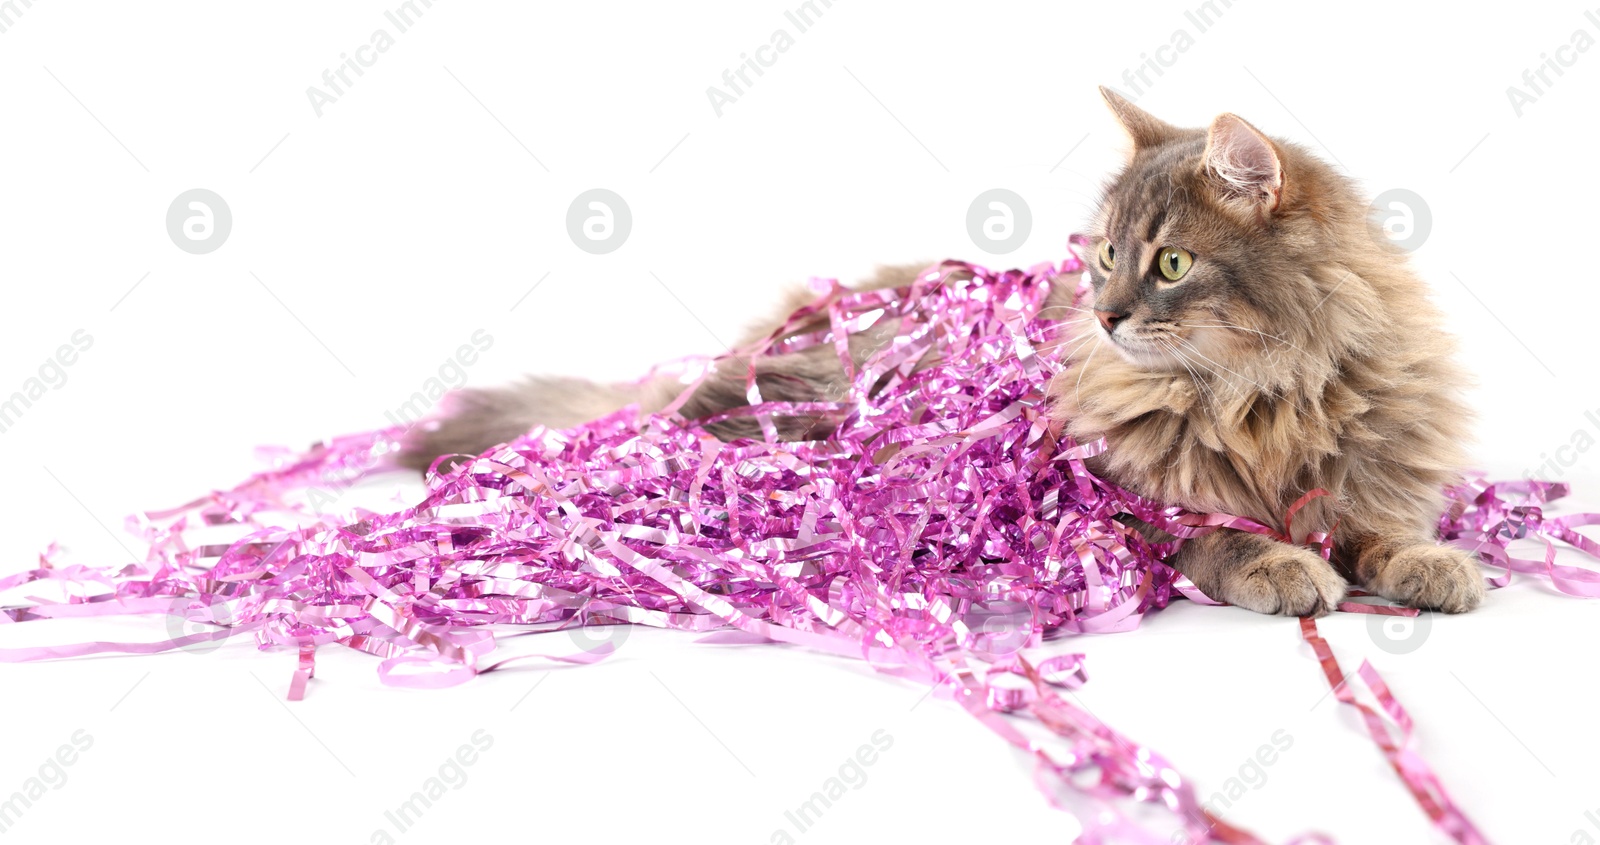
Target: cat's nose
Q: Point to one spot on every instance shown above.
(1110, 319)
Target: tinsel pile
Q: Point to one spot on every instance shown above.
(943, 533)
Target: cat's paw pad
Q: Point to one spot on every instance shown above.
(1431, 578)
(1290, 581)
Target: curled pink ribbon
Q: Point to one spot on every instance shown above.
(945, 531)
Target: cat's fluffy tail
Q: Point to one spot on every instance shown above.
(477, 419)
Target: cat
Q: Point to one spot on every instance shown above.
(1253, 336)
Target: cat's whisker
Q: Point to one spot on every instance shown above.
(1224, 324)
(1200, 383)
(1237, 327)
(1078, 390)
(1213, 370)
(1263, 388)
(1075, 331)
(1045, 335)
(1073, 352)
(1183, 360)
(1043, 311)
(1212, 367)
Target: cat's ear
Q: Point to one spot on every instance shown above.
(1144, 128)
(1244, 162)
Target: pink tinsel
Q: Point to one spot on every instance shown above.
(945, 527)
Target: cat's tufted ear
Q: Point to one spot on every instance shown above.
(1144, 128)
(1245, 163)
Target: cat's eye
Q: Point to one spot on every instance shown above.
(1108, 255)
(1174, 262)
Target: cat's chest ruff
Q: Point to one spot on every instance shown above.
(1177, 441)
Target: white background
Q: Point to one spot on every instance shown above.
(432, 196)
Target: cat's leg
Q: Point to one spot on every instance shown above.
(1261, 574)
(1416, 572)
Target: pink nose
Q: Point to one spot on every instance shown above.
(1109, 319)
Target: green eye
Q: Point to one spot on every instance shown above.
(1108, 255)
(1174, 262)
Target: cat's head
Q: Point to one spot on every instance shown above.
(1220, 248)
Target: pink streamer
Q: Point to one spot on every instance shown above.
(945, 529)
(1395, 742)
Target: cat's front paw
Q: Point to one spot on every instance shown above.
(1430, 577)
(1287, 580)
